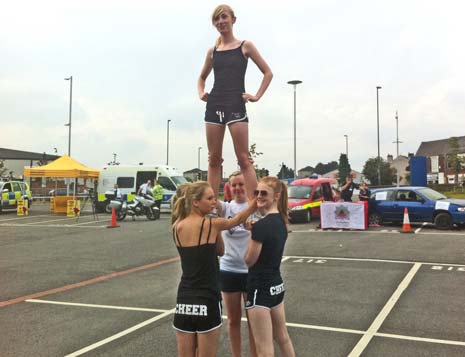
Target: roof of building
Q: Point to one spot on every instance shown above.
(439, 147)
(10, 154)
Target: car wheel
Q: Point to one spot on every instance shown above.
(308, 216)
(108, 208)
(443, 221)
(375, 219)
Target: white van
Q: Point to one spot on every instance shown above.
(130, 177)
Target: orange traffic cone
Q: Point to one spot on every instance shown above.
(406, 225)
(113, 223)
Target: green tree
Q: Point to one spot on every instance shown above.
(454, 158)
(254, 154)
(344, 169)
(322, 169)
(285, 172)
(370, 171)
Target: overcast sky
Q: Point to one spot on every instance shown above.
(135, 65)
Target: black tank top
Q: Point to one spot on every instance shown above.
(199, 268)
(229, 68)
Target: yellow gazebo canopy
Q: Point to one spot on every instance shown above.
(64, 166)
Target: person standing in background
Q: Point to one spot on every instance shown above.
(158, 194)
(348, 189)
(364, 194)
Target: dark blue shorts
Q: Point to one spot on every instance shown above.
(225, 117)
(267, 298)
(197, 315)
(231, 282)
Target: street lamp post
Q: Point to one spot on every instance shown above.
(167, 140)
(295, 83)
(347, 146)
(198, 157)
(397, 144)
(70, 79)
(377, 122)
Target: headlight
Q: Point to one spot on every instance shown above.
(461, 209)
(297, 208)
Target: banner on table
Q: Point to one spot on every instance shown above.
(345, 215)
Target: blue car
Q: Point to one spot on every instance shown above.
(423, 204)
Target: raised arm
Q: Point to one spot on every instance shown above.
(251, 51)
(206, 69)
(222, 224)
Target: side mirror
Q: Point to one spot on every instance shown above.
(5, 190)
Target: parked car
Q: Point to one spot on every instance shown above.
(423, 204)
(11, 192)
(305, 197)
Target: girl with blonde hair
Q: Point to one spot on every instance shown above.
(226, 101)
(265, 287)
(198, 304)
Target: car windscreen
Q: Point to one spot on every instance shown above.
(299, 191)
(431, 194)
(178, 180)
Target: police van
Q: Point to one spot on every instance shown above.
(11, 192)
(130, 177)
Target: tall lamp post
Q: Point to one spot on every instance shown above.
(347, 146)
(377, 122)
(70, 79)
(167, 140)
(198, 157)
(295, 83)
(397, 144)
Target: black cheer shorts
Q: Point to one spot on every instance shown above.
(267, 298)
(197, 315)
(231, 282)
(225, 117)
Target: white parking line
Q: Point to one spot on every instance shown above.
(94, 305)
(23, 217)
(372, 260)
(449, 233)
(419, 228)
(373, 329)
(165, 313)
(57, 219)
(120, 334)
(48, 225)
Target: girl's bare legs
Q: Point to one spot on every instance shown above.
(186, 344)
(280, 334)
(252, 348)
(215, 135)
(262, 328)
(233, 304)
(240, 137)
(208, 343)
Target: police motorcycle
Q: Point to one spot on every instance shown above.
(139, 206)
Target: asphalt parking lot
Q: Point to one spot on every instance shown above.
(71, 287)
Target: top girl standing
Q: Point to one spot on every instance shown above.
(198, 304)
(226, 101)
(265, 287)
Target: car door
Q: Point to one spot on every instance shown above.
(396, 209)
(381, 203)
(8, 196)
(317, 197)
(419, 208)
